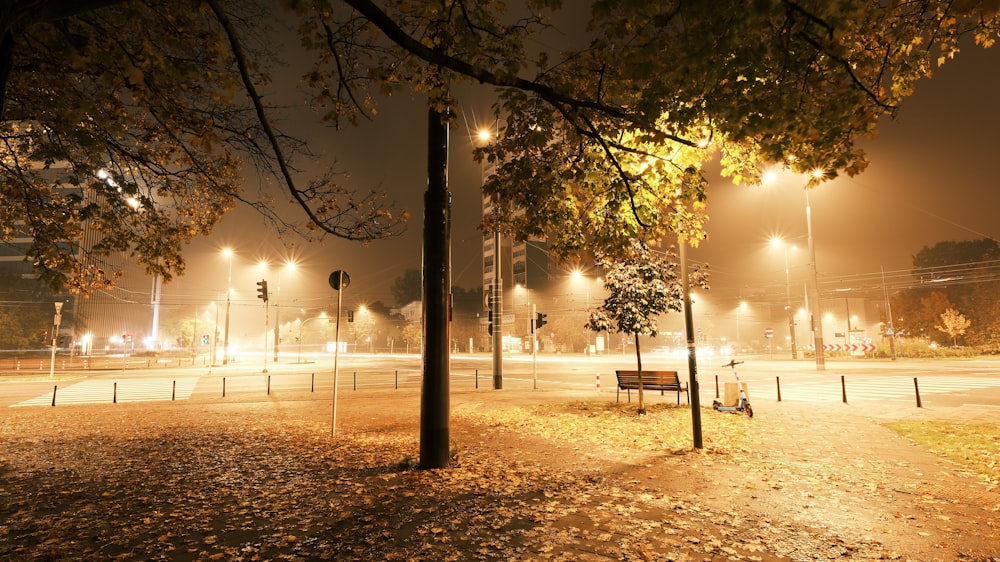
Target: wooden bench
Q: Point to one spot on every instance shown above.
(651, 380)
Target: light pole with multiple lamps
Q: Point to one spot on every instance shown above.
(817, 328)
(812, 292)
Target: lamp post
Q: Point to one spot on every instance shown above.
(228, 253)
(788, 296)
(814, 288)
(486, 136)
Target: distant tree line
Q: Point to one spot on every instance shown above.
(956, 296)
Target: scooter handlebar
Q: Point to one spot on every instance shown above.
(732, 363)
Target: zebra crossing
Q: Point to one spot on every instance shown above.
(874, 388)
(104, 391)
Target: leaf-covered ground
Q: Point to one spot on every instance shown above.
(531, 479)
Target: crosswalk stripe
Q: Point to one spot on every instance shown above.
(102, 391)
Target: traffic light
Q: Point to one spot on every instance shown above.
(540, 320)
(204, 339)
(489, 327)
(262, 290)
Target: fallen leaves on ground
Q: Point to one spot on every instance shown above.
(574, 481)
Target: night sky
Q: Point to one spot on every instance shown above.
(930, 180)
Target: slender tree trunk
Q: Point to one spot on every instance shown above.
(638, 361)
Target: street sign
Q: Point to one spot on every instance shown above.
(768, 333)
(853, 347)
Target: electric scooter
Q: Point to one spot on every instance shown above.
(743, 405)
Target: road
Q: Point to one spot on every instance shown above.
(940, 382)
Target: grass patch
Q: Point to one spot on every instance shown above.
(665, 427)
(975, 446)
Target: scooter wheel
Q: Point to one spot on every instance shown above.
(748, 410)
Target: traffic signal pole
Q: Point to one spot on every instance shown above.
(534, 349)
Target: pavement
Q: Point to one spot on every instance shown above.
(808, 481)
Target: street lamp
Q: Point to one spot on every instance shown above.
(486, 136)
(228, 253)
(817, 328)
(775, 242)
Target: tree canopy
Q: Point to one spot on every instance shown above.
(166, 99)
(957, 275)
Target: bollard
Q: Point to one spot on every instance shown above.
(312, 384)
(397, 379)
(268, 385)
(173, 393)
(597, 377)
(114, 397)
(778, 380)
(843, 389)
(477, 378)
(54, 388)
(716, 386)
(223, 387)
(916, 388)
(355, 380)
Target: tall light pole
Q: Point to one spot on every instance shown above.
(815, 321)
(788, 296)
(228, 253)
(486, 136)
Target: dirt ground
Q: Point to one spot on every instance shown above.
(535, 475)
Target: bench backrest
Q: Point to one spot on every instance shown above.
(649, 377)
